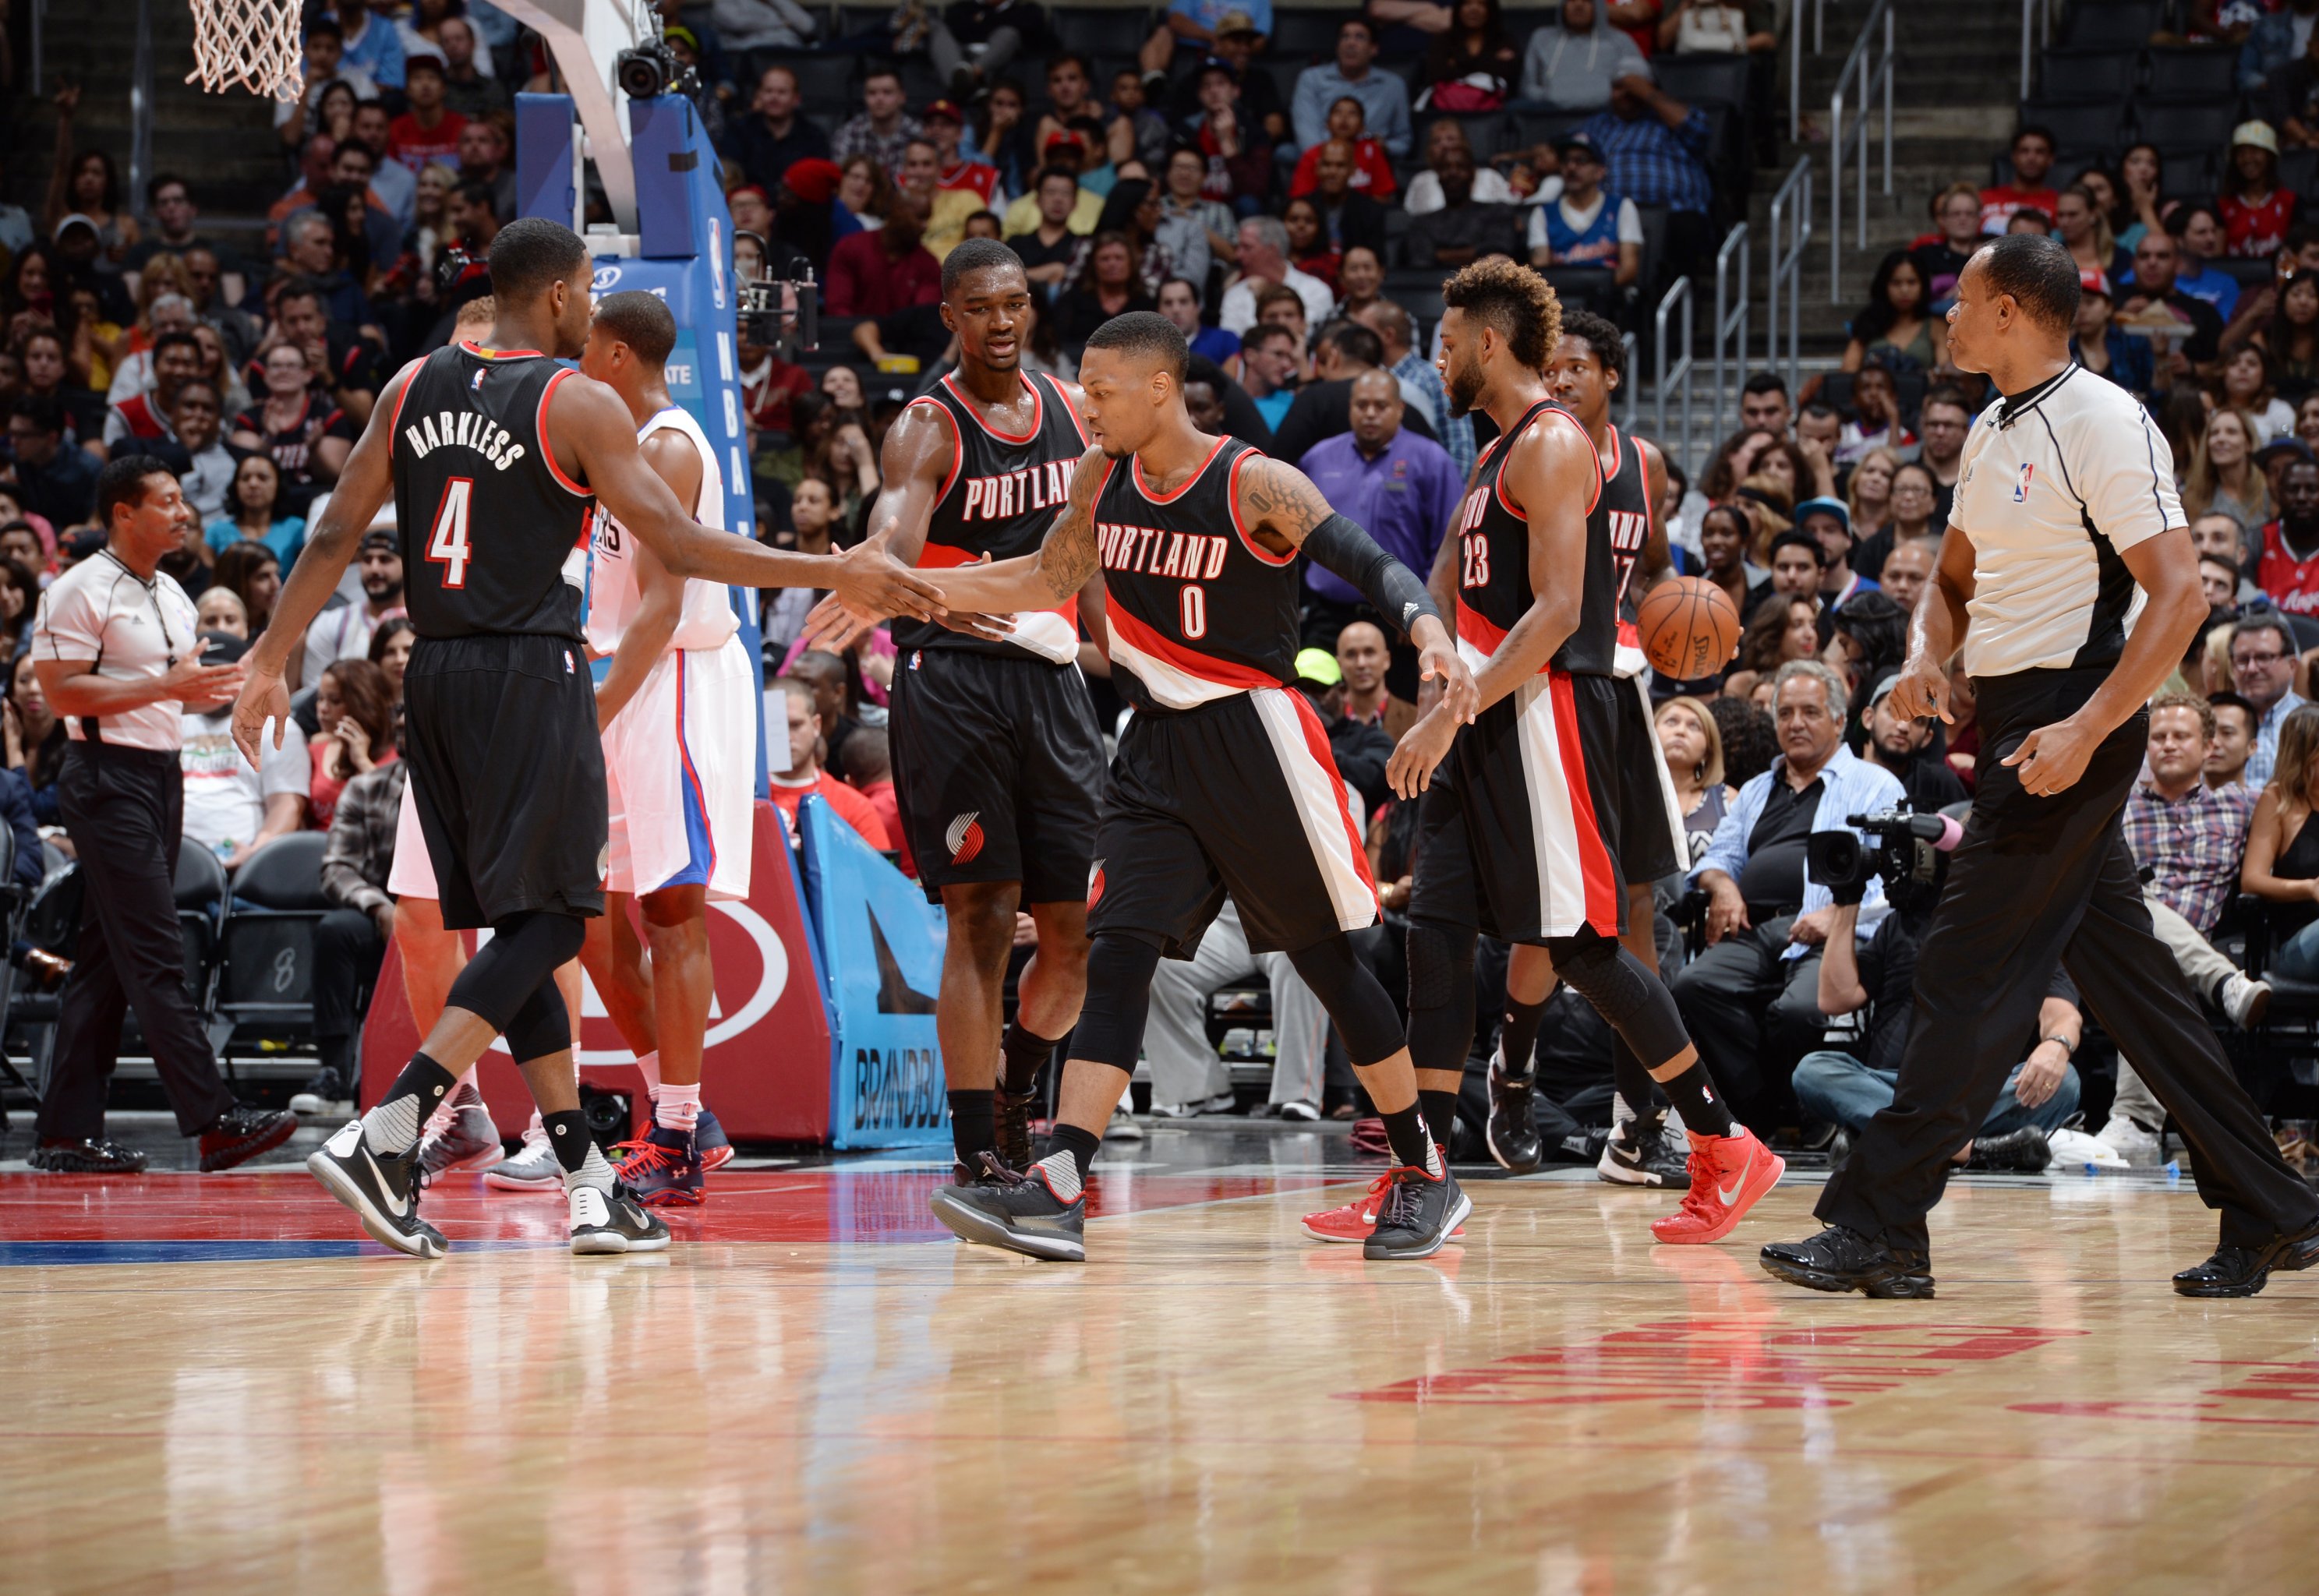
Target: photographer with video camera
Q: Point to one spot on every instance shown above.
(1910, 854)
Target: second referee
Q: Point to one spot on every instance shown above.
(2069, 575)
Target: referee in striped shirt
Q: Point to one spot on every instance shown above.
(2067, 573)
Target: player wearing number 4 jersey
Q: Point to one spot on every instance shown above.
(997, 759)
(1518, 831)
(1224, 782)
(495, 457)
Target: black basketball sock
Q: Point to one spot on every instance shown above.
(1082, 1145)
(1632, 1080)
(970, 1124)
(1022, 1055)
(1518, 1041)
(1694, 1096)
(393, 1127)
(577, 1152)
(1410, 1138)
(1440, 1111)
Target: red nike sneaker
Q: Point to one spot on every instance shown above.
(1356, 1220)
(1728, 1175)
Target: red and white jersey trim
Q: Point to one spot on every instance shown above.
(1177, 677)
(1301, 745)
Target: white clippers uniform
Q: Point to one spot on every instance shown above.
(680, 757)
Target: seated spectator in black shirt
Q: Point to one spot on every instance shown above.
(1957, 216)
(1107, 286)
(1049, 249)
(1236, 44)
(1324, 407)
(776, 134)
(1352, 219)
(1361, 748)
(1904, 747)
(2192, 328)
(1797, 565)
(1463, 230)
(49, 479)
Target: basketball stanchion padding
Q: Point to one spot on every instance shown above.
(254, 43)
(1688, 627)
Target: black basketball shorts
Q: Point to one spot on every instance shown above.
(998, 771)
(506, 773)
(1238, 797)
(1517, 836)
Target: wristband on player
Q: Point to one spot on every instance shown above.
(1338, 545)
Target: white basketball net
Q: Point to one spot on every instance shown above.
(252, 42)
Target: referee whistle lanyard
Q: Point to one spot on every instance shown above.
(90, 728)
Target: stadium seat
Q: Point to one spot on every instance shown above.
(51, 923)
(1305, 36)
(2298, 170)
(2077, 127)
(2204, 125)
(202, 894)
(265, 981)
(1096, 30)
(2088, 76)
(2246, 273)
(1703, 80)
(2202, 73)
(2116, 25)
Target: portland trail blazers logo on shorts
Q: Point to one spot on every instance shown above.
(964, 837)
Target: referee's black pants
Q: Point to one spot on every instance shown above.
(122, 807)
(2034, 879)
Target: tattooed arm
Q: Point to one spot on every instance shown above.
(1062, 566)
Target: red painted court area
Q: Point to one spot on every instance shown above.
(281, 1211)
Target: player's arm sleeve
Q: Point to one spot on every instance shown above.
(1338, 545)
(2128, 485)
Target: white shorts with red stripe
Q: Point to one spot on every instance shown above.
(1518, 834)
(680, 767)
(1238, 796)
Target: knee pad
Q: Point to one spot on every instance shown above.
(1118, 1001)
(523, 955)
(1441, 966)
(1361, 1008)
(542, 1026)
(1624, 991)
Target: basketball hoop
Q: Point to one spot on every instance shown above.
(252, 42)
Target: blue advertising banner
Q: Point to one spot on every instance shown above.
(881, 946)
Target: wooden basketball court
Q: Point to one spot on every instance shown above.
(817, 1389)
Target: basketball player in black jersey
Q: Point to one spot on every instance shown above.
(1224, 782)
(495, 457)
(997, 759)
(1518, 834)
(1626, 553)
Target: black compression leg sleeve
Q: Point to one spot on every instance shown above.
(1631, 998)
(1361, 1008)
(1632, 1080)
(524, 954)
(1118, 1000)
(542, 1026)
(1440, 995)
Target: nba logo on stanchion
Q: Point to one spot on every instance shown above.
(2021, 488)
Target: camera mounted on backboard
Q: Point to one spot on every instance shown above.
(650, 68)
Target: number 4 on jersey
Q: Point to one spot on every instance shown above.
(446, 540)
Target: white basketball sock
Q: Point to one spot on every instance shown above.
(677, 1107)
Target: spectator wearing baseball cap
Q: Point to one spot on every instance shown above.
(1238, 42)
(1829, 521)
(2257, 208)
(1588, 226)
(962, 170)
(1066, 153)
(1201, 25)
(2123, 358)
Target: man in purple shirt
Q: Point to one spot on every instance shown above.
(1400, 487)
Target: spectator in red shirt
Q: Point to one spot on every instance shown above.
(869, 770)
(804, 775)
(1372, 167)
(2257, 208)
(877, 273)
(2289, 570)
(2033, 158)
(427, 132)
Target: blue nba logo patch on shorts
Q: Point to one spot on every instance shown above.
(2021, 488)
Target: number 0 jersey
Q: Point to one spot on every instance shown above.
(1198, 610)
(1001, 495)
(485, 515)
(706, 618)
(1494, 591)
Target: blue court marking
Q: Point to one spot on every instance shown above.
(24, 1254)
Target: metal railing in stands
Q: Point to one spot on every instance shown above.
(40, 81)
(1796, 59)
(1631, 362)
(141, 105)
(1860, 83)
(1678, 294)
(1731, 318)
(2036, 32)
(1790, 229)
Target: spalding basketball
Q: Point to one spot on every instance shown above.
(1688, 627)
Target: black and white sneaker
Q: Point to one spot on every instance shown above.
(1513, 1128)
(1640, 1153)
(1020, 1212)
(614, 1222)
(1417, 1215)
(382, 1191)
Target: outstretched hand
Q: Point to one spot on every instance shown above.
(1422, 747)
(263, 699)
(870, 582)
